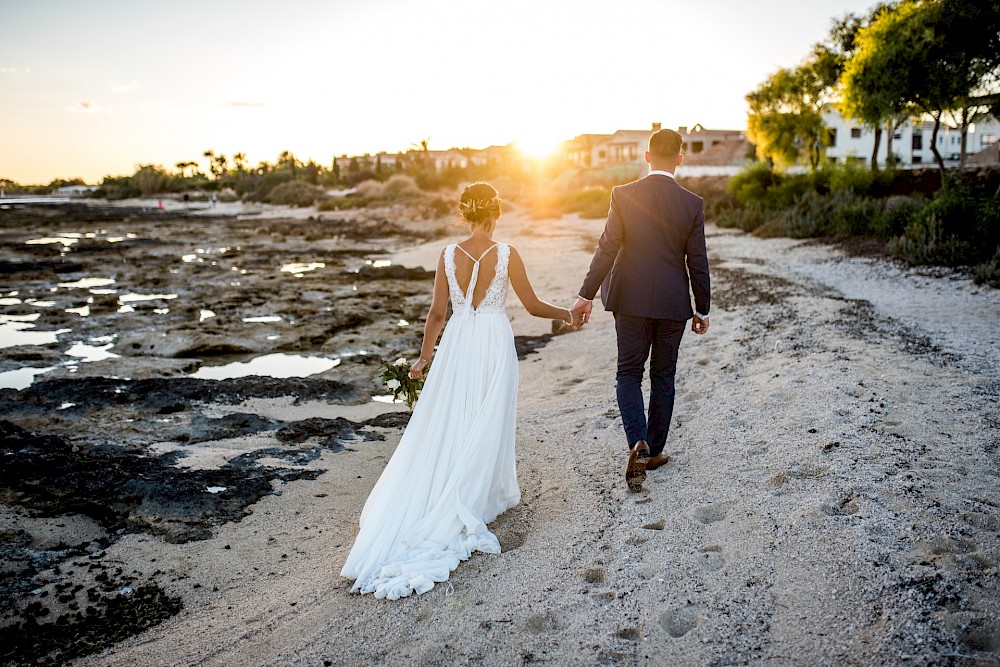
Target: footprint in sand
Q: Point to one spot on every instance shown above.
(710, 558)
(711, 513)
(656, 525)
(539, 623)
(510, 541)
(840, 505)
(632, 634)
(678, 621)
(594, 575)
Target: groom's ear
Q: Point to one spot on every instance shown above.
(647, 158)
(680, 159)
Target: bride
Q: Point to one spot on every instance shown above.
(453, 470)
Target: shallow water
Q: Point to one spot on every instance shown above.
(299, 268)
(21, 377)
(277, 365)
(86, 283)
(19, 332)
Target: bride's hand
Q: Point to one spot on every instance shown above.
(417, 369)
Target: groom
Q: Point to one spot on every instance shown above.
(650, 259)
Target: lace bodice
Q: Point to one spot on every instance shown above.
(496, 294)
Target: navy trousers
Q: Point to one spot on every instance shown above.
(637, 337)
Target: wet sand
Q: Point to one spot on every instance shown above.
(831, 497)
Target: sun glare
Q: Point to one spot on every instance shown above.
(538, 147)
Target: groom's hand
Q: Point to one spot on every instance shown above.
(583, 307)
(699, 325)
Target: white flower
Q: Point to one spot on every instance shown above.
(399, 362)
(393, 384)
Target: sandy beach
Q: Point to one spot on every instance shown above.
(831, 497)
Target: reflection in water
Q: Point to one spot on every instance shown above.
(83, 311)
(65, 240)
(87, 353)
(298, 268)
(9, 301)
(380, 263)
(84, 283)
(264, 318)
(21, 377)
(205, 314)
(270, 365)
(132, 296)
(387, 398)
(14, 333)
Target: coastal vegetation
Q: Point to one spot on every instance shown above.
(905, 61)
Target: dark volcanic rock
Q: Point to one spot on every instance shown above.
(40, 266)
(122, 489)
(394, 272)
(156, 394)
(111, 617)
(203, 429)
(526, 345)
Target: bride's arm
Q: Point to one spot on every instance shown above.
(526, 293)
(435, 320)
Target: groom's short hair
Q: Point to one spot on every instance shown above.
(665, 144)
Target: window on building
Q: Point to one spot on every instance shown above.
(831, 137)
(896, 136)
(918, 142)
(917, 159)
(697, 146)
(602, 154)
(855, 133)
(987, 140)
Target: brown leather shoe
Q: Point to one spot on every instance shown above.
(654, 462)
(635, 470)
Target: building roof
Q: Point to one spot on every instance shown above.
(989, 155)
(730, 152)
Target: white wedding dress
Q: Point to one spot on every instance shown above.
(453, 471)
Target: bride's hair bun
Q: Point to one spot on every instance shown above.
(479, 204)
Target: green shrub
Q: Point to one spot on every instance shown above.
(296, 193)
(750, 185)
(591, 203)
(151, 179)
(856, 217)
(342, 203)
(988, 273)
(927, 240)
(897, 213)
(809, 216)
(957, 227)
(748, 219)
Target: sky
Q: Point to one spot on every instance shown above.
(89, 89)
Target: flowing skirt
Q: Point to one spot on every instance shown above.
(453, 470)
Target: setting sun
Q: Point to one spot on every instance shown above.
(538, 147)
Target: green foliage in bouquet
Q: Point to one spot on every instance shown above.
(396, 378)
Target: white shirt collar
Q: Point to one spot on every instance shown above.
(661, 172)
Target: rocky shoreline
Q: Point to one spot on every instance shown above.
(121, 314)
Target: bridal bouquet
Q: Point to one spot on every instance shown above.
(396, 378)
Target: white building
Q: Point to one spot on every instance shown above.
(911, 142)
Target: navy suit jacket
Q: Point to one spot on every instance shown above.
(653, 242)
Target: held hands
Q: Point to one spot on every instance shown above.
(417, 369)
(581, 311)
(699, 325)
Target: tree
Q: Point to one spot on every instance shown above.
(785, 118)
(929, 55)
